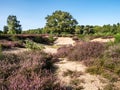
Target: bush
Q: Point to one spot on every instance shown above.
(106, 67)
(51, 39)
(86, 51)
(32, 45)
(117, 38)
(28, 71)
(43, 40)
(63, 51)
(113, 51)
(9, 44)
(14, 38)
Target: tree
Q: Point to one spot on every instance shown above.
(14, 26)
(59, 22)
(88, 30)
(1, 32)
(33, 31)
(5, 29)
(77, 29)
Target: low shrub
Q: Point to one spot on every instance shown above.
(63, 51)
(0, 51)
(32, 45)
(107, 65)
(44, 40)
(51, 39)
(9, 44)
(113, 51)
(117, 38)
(28, 71)
(86, 51)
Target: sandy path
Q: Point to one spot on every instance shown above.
(64, 41)
(15, 50)
(50, 49)
(103, 40)
(59, 42)
(87, 81)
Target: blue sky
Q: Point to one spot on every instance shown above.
(32, 13)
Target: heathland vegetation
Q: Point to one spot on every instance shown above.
(35, 70)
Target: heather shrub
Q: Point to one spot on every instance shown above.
(5, 36)
(63, 51)
(0, 51)
(86, 51)
(113, 51)
(31, 70)
(9, 44)
(107, 67)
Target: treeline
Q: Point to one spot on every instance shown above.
(33, 31)
(60, 22)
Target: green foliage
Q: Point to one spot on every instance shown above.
(5, 29)
(94, 70)
(33, 31)
(107, 29)
(117, 38)
(108, 65)
(77, 29)
(13, 25)
(60, 21)
(51, 38)
(1, 32)
(110, 86)
(32, 45)
(14, 38)
(113, 51)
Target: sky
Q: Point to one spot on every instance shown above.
(32, 13)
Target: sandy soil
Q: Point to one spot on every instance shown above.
(15, 50)
(50, 49)
(89, 82)
(64, 41)
(102, 40)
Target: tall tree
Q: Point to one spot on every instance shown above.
(77, 29)
(59, 22)
(14, 26)
(5, 29)
(1, 32)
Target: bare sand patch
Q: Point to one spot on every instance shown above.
(64, 41)
(89, 82)
(15, 50)
(103, 40)
(50, 49)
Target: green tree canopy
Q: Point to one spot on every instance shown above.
(5, 29)
(14, 26)
(59, 22)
